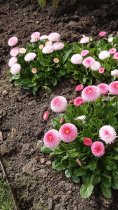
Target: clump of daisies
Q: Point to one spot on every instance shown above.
(84, 138)
(43, 61)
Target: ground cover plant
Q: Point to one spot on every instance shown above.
(44, 61)
(84, 141)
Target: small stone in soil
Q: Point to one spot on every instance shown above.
(42, 160)
(39, 144)
(5, 92)
(50, 204)
(1, 136)
(48, 163)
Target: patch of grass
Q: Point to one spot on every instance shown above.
(6, 202)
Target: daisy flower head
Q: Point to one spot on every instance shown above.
(79, 87)
(115, 56)
(51, 139)
(15, 69)
(90, 93)
(12, 61)
(34, 70)
(112, 51)
(58, 104)
(68, 132)
(104, 88)
(84, 40)
(43, 37)
(114, 73)
(30, 57)
(95, 66)
(54, 37)
(22, 50)
(104, 54)
(78, 101)
(108, 134)
(110, 39)
(58, 45)
(35, 37)
(102, 33)
(98, 149)
(56, 60)
(88, 62)
(76, 59)
(101, 70)
(12, 41)
(14, 51)
(113, 88)
(48, 49)
(87, 141)
(84, 53)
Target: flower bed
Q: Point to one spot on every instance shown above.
(84, 141)
(44, 61)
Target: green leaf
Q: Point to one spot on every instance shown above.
(73, 153)
(95, 179)
(58, 165)
(55, 3)
(106, 181)
(45, 150)
(68, 173)
(79, 172)
(76, 179)
(110, 165)
(115, 183)
(86, 190)
(106, 191)
(42, 3)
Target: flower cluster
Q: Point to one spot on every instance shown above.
(84, 141)
(35, 65)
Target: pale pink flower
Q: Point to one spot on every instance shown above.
(35, 37)
(101, 70)
(78, 101)
(46, 115)
(76, 59)
(90, 93)
(102, 33)
(15, 69)
(14, 51)
(87, 141)
(12, 41)
(58, 45)
(107, 133)
(110, 39)
(114, 73)
(12, 61)
(79, 87)
(30, 57)
(95, 66)
(104, 88)
(48, 49)
(115, 56)
(51, 139)
(104, 54)
(98, 149)
(22, 50)
(48, 43)
(68, 132)
(58, 104)
(84, 40)
(88, 62)
(54, 37)
(112, 51)
(43, 37)
(113, 88)
(84, 53)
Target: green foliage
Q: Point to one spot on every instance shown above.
(77, 160)
(55, 3)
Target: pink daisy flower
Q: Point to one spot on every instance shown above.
(79, 87)
(104, 88)
(101, 70)
(30, 57)
(104, 54)
(76, 59)
(114, 73)
(58, 104)
(113, 88)
(90, 93)
(102, 33)
(68, 132)
(12, 61)
(14, 51)
(48, 49)
(84, 40)
(46, 115)
(15, 69)
(35, 37)
(88, 62)
(115, 57)
(43, 37)
(98, 149)
(112, 51)
(51, 139)
(107, 133)
(78, 101)
(84, 53)
(58, 45)
(54, 37)
(87, 141)
(12, 41)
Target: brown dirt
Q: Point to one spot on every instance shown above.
(35, 184)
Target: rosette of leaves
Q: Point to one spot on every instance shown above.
(76, 159)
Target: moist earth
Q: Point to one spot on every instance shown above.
(35, 185)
